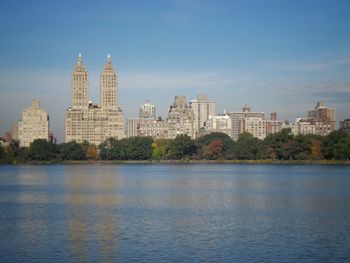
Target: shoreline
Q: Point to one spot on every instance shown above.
(254, 162)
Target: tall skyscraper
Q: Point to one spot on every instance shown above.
(202, 109)
(86, 121)
(80, 86)
(33, 125)
(109, 87)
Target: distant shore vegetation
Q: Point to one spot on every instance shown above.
(215, 147)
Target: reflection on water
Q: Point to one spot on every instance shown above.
(91, 201)
(174, 213)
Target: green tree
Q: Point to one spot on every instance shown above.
(71, 151)
(138, 148)
(296, 149)
(341, 150)
(333, 144)
(109, 149)
(180, 147)
(42, 150)
(2, 152)
(13, 149)
(247, 147)
(274, 145)
(135, 148)
(13, 153)
(160, 148)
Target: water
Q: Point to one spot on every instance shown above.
(175, 213)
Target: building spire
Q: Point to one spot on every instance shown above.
(109, 65)
(80, 65)
(80, 59)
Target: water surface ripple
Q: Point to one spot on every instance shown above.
(175, 213)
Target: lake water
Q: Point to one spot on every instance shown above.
(175, 213)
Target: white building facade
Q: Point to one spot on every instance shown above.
(33, 125)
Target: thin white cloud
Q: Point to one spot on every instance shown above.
(317, 66)
(313, 89)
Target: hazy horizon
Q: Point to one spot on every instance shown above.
(281, 56)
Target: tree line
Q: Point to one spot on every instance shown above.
(213, 146)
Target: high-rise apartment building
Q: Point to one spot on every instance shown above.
(273, 125)
(202, 109)
(219, 123)
(132, 126)
(148, 127)
(254, 125)
(90, 122)
(33, 125)
(180, 118)
(179, 121)
(320, 121)
(237, 118)
(155, 128)
(323, 118)
(147, 110)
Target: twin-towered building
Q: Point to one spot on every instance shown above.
(87, 121)
(94, 123)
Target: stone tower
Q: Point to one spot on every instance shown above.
(109, 87)
(80, 86)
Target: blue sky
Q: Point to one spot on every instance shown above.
(279, 55)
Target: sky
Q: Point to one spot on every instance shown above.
(272, 55)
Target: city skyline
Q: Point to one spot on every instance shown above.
(277, 56)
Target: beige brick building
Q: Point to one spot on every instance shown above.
(254, 125)
(180, 118)
(33, 125)
(155, 128)
(237, 120)
(273, 125)
(219, 123)
(90, 122)
(202, 110)
(323, 118)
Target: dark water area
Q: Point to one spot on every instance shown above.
(175, 213)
